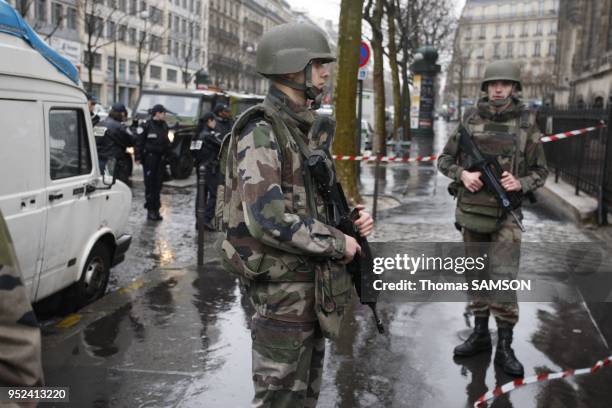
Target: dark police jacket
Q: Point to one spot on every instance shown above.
(206, 146)
(153, 140)
(224, 126)
(112, 138)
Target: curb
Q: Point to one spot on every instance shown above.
(561, 199)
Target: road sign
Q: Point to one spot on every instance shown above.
(362, 74)
(364, 54)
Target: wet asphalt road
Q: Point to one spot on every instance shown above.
(172, 335)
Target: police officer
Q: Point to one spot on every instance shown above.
(91, 104)
(20, 344)
(152, 146)
(205, 149)
(223, 119)
(502, 127)
(112, 138)
(277, 238)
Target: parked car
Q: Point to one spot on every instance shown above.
(67, 221)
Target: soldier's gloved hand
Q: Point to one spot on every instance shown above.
(510, 183)
(471, 180)
(350, 249)
(365, 223)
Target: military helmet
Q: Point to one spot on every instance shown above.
(502, 70)
(288, 48)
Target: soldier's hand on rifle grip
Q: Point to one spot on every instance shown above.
(510, 183)
(365, 223)
(471, 180)
(350, 249)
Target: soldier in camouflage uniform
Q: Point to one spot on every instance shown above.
(277, 239)
(502, 127)
(20, 360)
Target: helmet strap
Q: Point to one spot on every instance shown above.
(312, 92)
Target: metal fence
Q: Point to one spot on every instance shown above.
(585, 161)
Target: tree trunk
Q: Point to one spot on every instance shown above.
(397, 109)
(379, 144)
(345, 91)
(406, 135)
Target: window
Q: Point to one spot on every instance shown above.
(171, 75)
(110, 64)
(169, 47)
(68, 144)
(480, 52)
(553, 27)
(539, 28)
(71, 16)
(468, 33)
(123, 5)
(536, 49)
(552, 48)
(41, 10)
(155, 72)
(57, 15)
(133, 6)
(496, 50)
(498, 29)
(133, 67)
(483, 32)
(122, 63)
(110, 29)
(132, 36)
(121, 33)
(97, 60)
(510, 30)
(176, 24)
(522, 50)
(540, 7)
(466, 71)
(170, 21)
(155, 43)
(509, 50)
(524, 30)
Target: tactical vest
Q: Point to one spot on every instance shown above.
(505, 141)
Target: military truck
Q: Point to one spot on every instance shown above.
(187, 106)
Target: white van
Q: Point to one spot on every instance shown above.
(67, 224)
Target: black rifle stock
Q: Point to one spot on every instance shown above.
(491, 175)
(362, 266)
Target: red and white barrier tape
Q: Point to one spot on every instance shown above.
(519, 382)
(392, 159)
(565, 135)
(401, 159)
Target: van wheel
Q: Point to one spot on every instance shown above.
(94, 279)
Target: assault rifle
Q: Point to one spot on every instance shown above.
(362, 266)
(491, 172)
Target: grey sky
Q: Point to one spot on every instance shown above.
(330, 9)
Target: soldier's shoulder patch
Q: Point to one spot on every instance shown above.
(263, 136)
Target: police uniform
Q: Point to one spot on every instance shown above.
(112, 138)
(277, 237)
(153, 145)
(206, 153)
(511, 136)
(20, 343)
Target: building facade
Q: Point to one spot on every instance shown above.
(524, 31)
(583, 65)
(127, 43)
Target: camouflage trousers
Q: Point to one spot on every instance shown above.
(505, 249)
(287, 355)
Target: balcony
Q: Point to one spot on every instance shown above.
(216, 33)
(222, 62)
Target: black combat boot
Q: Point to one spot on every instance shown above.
(479, 340)
(504, 356)
(154, 215)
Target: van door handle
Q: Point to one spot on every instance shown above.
(53, 197)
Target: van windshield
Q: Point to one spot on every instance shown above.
(185, 106)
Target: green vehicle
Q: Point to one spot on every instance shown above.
(187, 107)
(240, 102)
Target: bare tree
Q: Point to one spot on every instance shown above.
(92, 15)
(373, 15)
(345, 90)
(148, 47)
(189, 55)
(391, 8)
(418, 23)
(23, 8)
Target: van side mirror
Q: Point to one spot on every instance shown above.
(110, 175)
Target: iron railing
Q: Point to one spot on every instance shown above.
(584, 161)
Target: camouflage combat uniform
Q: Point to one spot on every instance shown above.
(20, 360)
(278, 243)
(511, 136)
